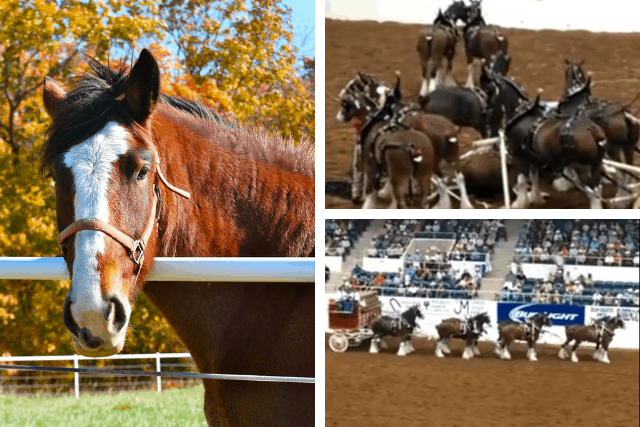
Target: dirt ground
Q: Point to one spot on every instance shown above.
(372, 390)
(538, 62)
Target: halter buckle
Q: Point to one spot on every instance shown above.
(138, 252)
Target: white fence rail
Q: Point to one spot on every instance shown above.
(77, 358)
(178, 269)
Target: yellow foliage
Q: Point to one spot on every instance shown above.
(234, 56)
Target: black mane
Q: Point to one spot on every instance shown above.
(96, 100)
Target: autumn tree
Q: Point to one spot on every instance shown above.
(245, 49)
(40, 38)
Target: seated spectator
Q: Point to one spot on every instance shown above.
(545, 256)
(582, 255)
(557, 297)
(597, 298)
(372, 252)
(609, 257)
(379, 280)
(440, 290)
(608, 299)
(546, 290)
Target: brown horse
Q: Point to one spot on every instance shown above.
(401, 327)
(436, 49)
(468, 330)
(601, 334)
(481, 41)
(530, 331)
(363, 94)
(116, 148)
(551, 143)
(386, 143)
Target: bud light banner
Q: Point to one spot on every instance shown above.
(560, 315)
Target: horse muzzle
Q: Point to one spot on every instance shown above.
(98, 328)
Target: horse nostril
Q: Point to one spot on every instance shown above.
(117, 313)
(88, 339)
(68, 319)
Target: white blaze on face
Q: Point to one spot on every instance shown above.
(91, 163)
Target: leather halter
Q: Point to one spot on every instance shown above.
(135, 247)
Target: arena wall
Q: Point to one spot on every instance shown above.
(439, 309)
(618, 16)
(383, 265)
(334, 263)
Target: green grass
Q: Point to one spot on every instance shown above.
(149, 408)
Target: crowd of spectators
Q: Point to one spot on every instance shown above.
(580, 242)
(560, 287)
(342, 234)
(473, 238)
(432, 281)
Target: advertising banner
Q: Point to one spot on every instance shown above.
(559, 314)
(628, 314)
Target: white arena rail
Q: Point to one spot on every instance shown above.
(177, 269)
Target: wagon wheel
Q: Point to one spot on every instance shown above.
(338, 342)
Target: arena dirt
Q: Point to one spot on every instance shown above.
(372, 390)
(538, 62)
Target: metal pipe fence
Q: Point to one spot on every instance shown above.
(76, 358)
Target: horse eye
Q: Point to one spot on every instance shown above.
(142, 175)
(63, 248)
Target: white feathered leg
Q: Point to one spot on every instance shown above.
(574, 357)
(401, 350)
(374, 347)
(562, 353)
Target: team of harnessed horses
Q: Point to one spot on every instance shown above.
(470, 329)
(579, 142)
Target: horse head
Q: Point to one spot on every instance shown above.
(107, 173)
(457, 10)
(616, 322)
(574, 76)
(474, 15)
(356, 98)
(483, 318)
(575, 96)
(541, 319)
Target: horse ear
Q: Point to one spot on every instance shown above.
(143, 87)
(52, 94)
(566, 61)
(581, 63)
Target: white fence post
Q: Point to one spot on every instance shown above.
(76, 376)
(158, 369)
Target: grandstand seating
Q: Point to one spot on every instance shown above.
(576, 242)
(341, 235)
